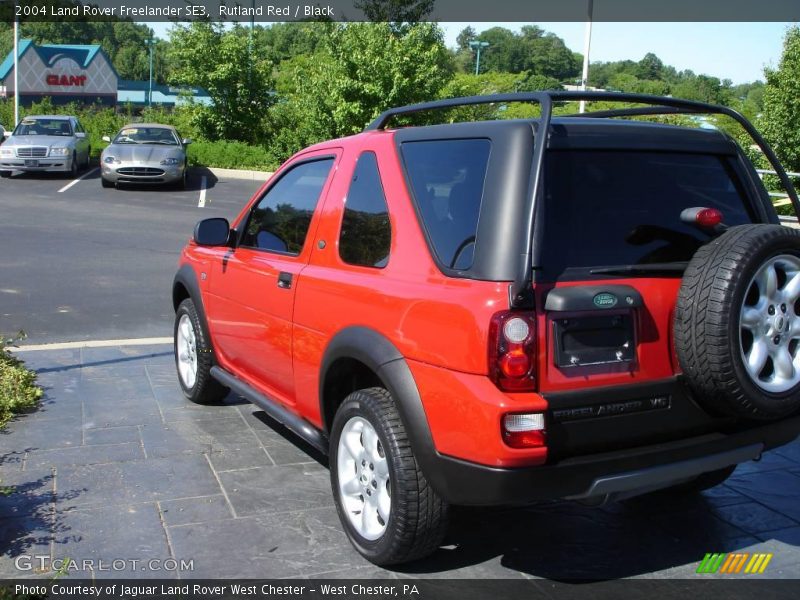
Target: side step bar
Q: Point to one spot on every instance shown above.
(277, 411)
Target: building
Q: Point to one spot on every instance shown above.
(81, 73)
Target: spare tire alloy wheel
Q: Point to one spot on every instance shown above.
(770, 325)
(737, 323)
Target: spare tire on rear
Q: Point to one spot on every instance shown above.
(737, 323)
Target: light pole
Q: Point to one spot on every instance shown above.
(587, 44)
(478, 46)
(16, 71)
(151, 43)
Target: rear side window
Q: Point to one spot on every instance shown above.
(447, 179)
(280, 220)
(619, 208)
(366, 232)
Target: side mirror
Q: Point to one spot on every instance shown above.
(80, 135)
(7, 134)
(106, 138)
(186, 141)
(212, 232)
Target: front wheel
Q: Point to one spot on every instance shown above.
(193, 357)
(386, 506)
(106, 183)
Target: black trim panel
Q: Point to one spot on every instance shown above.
(468, 483)
(274, 409)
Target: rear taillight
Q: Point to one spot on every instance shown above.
(512, 351)
(524, 430)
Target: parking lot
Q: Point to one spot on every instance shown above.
(80, 261)
(117, 465)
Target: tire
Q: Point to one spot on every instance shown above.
(73, 169)
(5, 173)
(739, 303)
(106, 183)
(417, 516)
(194, 371)
(88, 159)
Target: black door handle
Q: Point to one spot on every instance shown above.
(284, 280)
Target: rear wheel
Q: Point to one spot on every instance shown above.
(388, 511)
(193, 357)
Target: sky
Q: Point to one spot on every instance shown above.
(735, 51)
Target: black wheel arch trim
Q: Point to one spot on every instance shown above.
(187, 278)
(374, 350)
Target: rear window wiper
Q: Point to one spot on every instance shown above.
(646, 269)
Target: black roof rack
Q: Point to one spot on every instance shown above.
(520, 291)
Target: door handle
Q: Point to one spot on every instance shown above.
(284, 280)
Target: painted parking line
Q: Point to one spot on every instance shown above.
(74, 181)
(154, 341)
(202, 201)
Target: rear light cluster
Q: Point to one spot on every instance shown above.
(524, 430)
(512, 351)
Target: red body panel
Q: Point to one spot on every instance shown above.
(275, 339)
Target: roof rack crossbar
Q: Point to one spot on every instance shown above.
(519, 292)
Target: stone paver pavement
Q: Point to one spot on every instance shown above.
(116, 465)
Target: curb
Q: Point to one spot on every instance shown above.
(238, 174)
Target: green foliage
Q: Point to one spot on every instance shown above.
(395, 11)
(362, 69)
(239, 81)
(780, 123)
(531, 50)
(18, 389)
(231, 155)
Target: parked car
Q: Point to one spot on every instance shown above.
(145, 153)
(481, 314)
(46, 143)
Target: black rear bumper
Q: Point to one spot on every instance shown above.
(599, 476)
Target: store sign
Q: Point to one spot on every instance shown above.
(66, 80)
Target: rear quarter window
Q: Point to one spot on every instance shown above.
(447, 180)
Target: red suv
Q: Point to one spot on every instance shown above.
(481, 313)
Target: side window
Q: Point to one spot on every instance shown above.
(366, 232)
(280, 220)
(447, 178)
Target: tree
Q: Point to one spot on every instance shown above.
(650, 67)
(395, 11)
(240, 84)
(363, 69)
(780, 122)
(465, 36)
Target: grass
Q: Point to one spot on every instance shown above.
(18, 389)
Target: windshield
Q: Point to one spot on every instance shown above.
(621, 208)
(146, 135)
(44, 127)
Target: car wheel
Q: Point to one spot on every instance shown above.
(106, 183)
(5, 173)
(389, 512)
(193, 357)
(88, 159)
(73, 169)
(737, 323)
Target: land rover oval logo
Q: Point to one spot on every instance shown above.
(605, 300)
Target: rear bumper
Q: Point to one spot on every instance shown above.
(606, 475)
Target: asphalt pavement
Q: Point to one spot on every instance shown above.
(80, 262)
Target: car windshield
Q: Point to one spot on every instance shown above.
(146, 135)
(39, 126)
